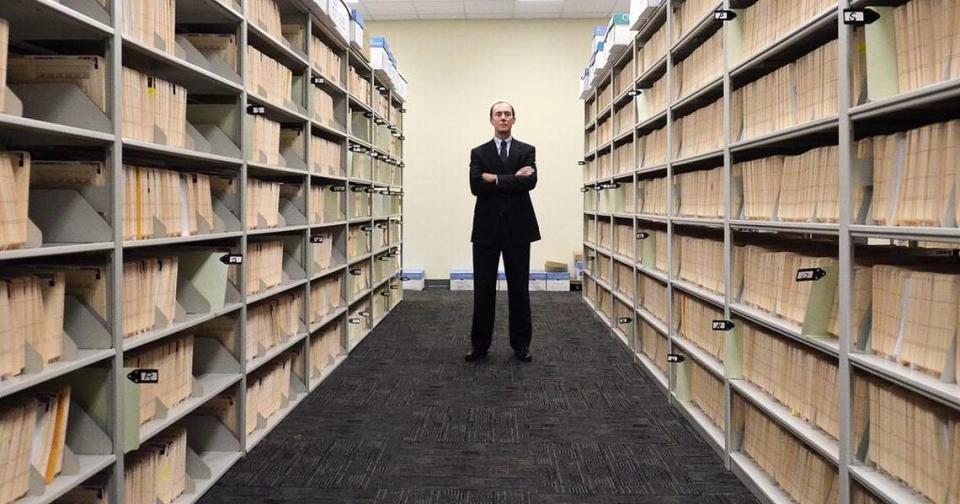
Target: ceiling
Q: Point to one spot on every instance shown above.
(384, 10)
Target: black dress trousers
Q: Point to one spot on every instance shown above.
(516, 265)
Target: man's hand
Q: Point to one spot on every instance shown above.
(526, 171)
(489, 178)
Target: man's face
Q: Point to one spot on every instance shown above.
(502, 119)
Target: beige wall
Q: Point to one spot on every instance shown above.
(456, 70)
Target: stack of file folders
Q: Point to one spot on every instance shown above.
(324, 348)
(154, 110)
(803, 474)
(325, 60)
(701, 193)
(266, 15)
(33, 426)
(173, 359)
(325, 297)
(798, 188)
(151, 22)
(700, 132)
(149, 294)
(273, 321)
(157, 471)
(268, 389)
(267, 78)
(161, 203)
(264, 265)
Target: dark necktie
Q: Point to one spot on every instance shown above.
(503, 151)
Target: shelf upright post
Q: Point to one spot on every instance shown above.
(245, 135)
(671, 378)
(308, 204)
(727, 231)
(845, 149)
(634, 179)
(115, 283)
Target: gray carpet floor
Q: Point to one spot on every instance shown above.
(405, 420)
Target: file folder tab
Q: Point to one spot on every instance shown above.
(230, 259)
(675, 358)
(724, 15)
(624, 320)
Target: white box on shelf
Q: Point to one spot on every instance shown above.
(357, 25)
(340, 15)
(599, 33)
(501, 281)
(461, 279)
(603, 59)
(560, 281)
(578, 269)
(641, 10)
(585, 84)
(322, 4)
(619, 35)
(400, 86)
(538, 280)
(413, 279)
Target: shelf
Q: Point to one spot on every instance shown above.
(884, 486)
(702, 423)
(314, 327)
(191, 320)
(621, 297)
(89, 465)
(356, 102)
(261, 169)
(821, 28)
(321, 225)
(273, 291)
(917, 101)
(254, 438)
(212, 383)
(818, 228)
(177, 153)
(626, 261)
(697, 291)
(179, 240)
(171, 68)
(361, 258)
(50, 132)
(703, 96)
(620, 137)
(657, 274)
(821, 131)
(359, 296)
(653, 321)
(651, 169)
(758, 481)
(918, 382)
(355, 344)
(50, 19)
(705, 27)
(810, 435)
(211, 11)
(712, 159)
(54, 249)
(279, 113)
(652, 74)
(327, 129)
(277, 230)
(328, 271)
(652, 218)
(652, 123)
(219, 463)
(256, 362)
(830, 346)
(905, 233)
(651, 24)
(14, 384)
(698, 221)
(327, 83)
(327, 371)
(707, 361)
(279, 50)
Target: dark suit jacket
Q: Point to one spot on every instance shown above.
(507, 202)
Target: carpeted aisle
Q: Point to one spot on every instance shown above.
(405, 420)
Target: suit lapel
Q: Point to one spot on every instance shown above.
(513, 156)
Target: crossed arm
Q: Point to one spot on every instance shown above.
(485, 183)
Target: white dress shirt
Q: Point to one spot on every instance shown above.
(498, 141)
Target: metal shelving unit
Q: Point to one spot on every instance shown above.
(97, 369)
(848, 237)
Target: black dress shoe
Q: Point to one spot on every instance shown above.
(475, 356)
(523, 355)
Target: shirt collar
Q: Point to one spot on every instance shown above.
(497, 141)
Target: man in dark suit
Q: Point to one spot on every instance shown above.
(503, 171)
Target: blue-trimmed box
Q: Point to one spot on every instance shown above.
(413, 279)
(559, 281)
(501, 280)
(357, 24)
(461, 279)
(538, 280)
